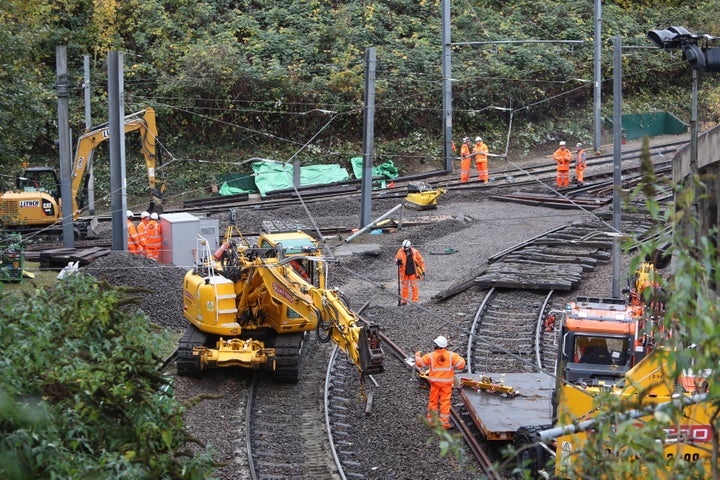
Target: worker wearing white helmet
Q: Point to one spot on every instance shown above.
(580, 164)
(133, 239)
(411, 268)
(153, 238)
(142, 230)
(441, 365)
(465, 157)
(563, 157)
(480, 151)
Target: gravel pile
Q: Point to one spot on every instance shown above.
(158, 286)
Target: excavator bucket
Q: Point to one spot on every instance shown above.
(156, 204)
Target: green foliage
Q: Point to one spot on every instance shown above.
(25, 99)
(81, 396)
(253, 77)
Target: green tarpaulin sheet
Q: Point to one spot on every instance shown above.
(271, 176)
(236, 183)
(387, 170)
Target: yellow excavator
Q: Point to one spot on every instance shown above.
(36, 200)
(252, 307)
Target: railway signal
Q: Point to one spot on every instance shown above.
(678, 38)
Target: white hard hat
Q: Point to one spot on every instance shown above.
(466, 139)
(440, 342)
(478, 139)
(562, 143)
(579, 145)
(153, 216)
(406, 244)
(129, 213)
(144, 215)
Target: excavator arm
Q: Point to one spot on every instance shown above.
(324, 310)
(144, 123)
(337, 323)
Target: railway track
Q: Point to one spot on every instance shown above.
(338, 396)
(507, 333)
(286, 433)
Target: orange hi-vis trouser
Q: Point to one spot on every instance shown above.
(410, 283)
(465, 169)
(482, 170)
(440, 393)
(579, 172)
(563, 176)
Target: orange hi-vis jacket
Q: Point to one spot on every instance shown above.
(153, 237)
(480, 151)
(465, 162)
(417, 260)
(142, 230)
(134, 243)
(442, 364)
(563, 157)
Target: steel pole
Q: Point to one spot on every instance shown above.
(617, 162)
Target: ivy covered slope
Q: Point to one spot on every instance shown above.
(81, 396)
(238, 79)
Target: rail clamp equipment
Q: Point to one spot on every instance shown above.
(421, 196)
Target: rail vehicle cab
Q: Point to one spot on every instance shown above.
(601, 339)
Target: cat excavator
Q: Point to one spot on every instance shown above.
(36, 202)
(253, 306)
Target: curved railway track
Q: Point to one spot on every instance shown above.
(286, 432)
(339, 394)
(507, 333)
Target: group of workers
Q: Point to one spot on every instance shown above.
(563, 157)
(145, 238)
(480, 152)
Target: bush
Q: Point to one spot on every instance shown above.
(81, 394)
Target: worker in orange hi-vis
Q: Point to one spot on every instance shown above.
(580, 164)
(134, 243)
(411, 268)
(481, 161)
(142, 229)
(465, 157)
(441, 364)
(563, 157)
(153, 238)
